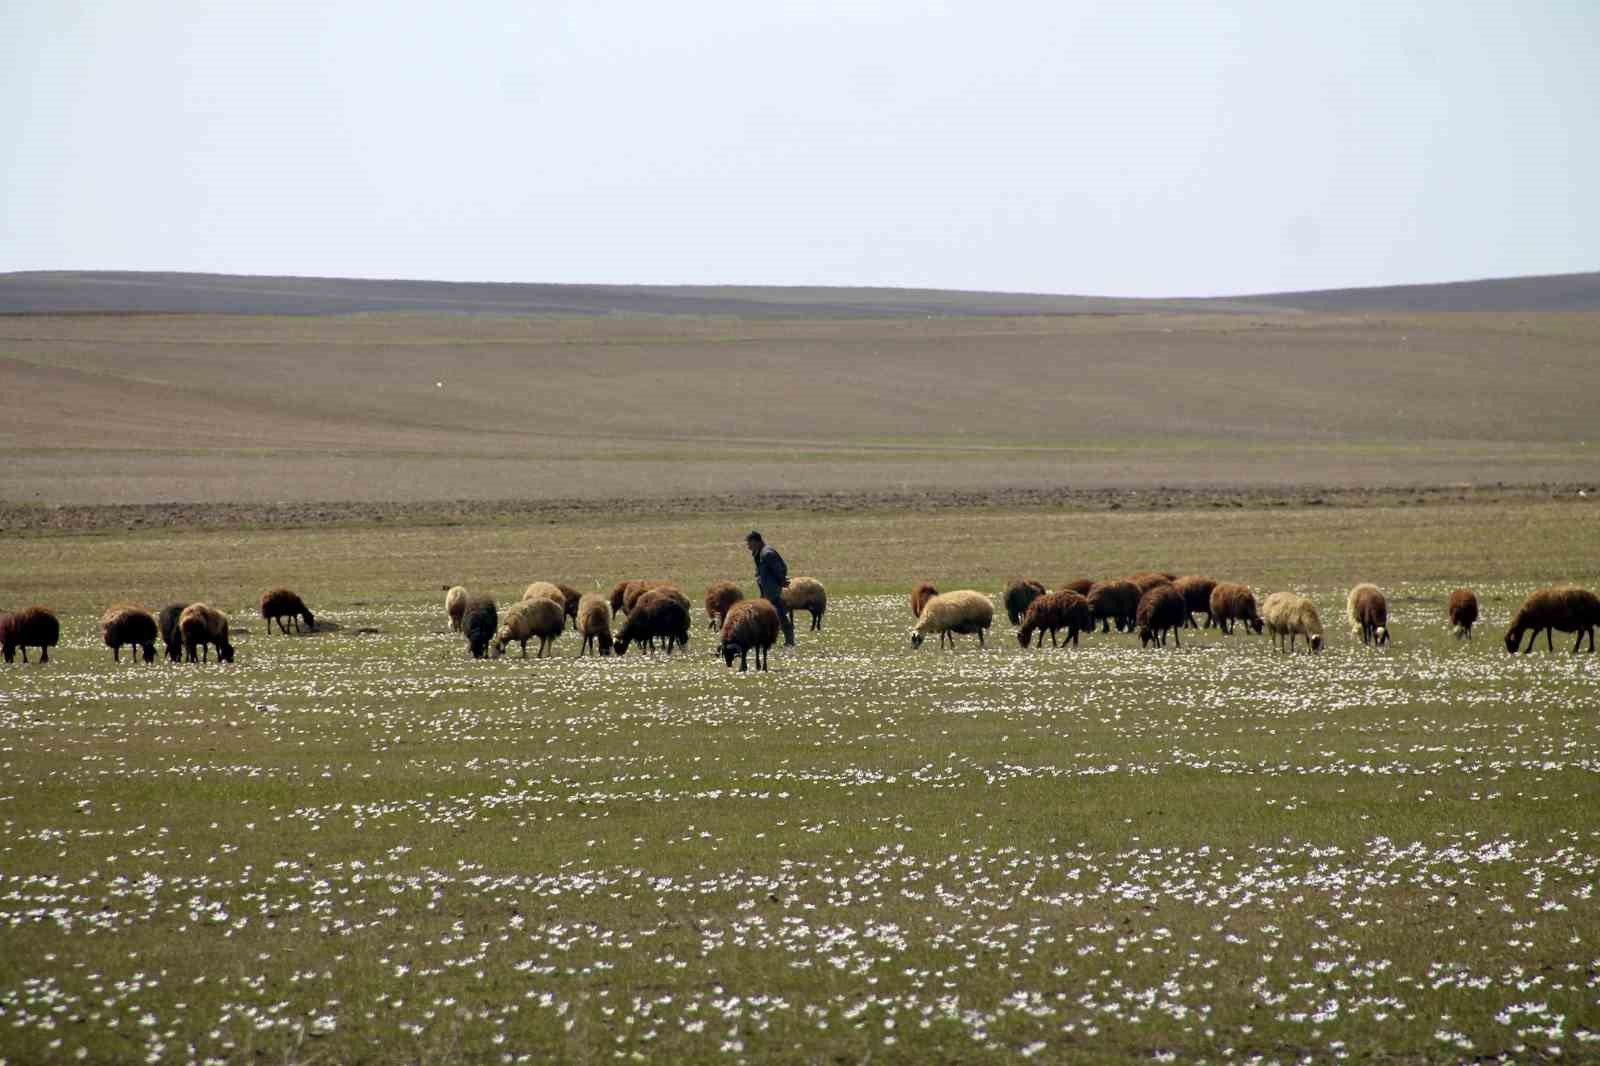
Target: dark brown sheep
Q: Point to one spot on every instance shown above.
(1080, 585)
(656, 615)
(720, 596)
(1233, 603)
(637, 589)
(1161, 610)
(1020, 592)
(479, 620)
(278, 604)
(1368, 614)
(751, 625)
(1564, 607)
(1114, 601)
(1055, 611)
(570, 597)
(618, 593)
(171, 636)
(1145, 580)
(1196, 592)
(31, 627)
(202, 627)
(1463, 612)
(128, 624)
(920, 597)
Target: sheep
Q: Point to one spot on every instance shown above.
(1019, 592)
(125, 623)
(655, 614)
(806, 594)
(1080, 585)
(455, 601)
(636, 590)
(920, 597)
(540, 617)
(1231, 604)
(479, 620)
(278, 604)
(171, 636)
(1368, 613)
(1196, 592)
(594, 623)
(571, 597)
(750, 625)
(949, 613)
(618, 592)
(203, 626)
(1145, 580)
(1161, 610)
(1564, 607)
(1114, 601)
(1054, 611)
(31, 627)
(545, 590)
(719, 597)
(1287, 616)
(1463, 612)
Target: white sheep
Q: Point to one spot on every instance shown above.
(1288, 615)
(964, 611)
(542, 618)
(455, 603)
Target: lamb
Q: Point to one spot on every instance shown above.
(1564, 607)
(1287, 616)
(455, 602)
(171, 636)
(1019, 592)
(31, 627)
(540, 617)
(1196, 592)
(750, 625)
(949, 613)
(1463, 612)
(806, 594)
(1233, 603)
(203, 626)
(1368, 613)
(1114, 601)
(920, 597)
(278, 604)
(1054, 611)
(1080, 585)
(656, 614)
(594, 623)
(479, 620)
(719, 597)
(1161, 610)
(125, 623)
(1145, 580)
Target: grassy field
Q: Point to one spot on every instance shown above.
(365, 847)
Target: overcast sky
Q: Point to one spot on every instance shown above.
(1109, 148)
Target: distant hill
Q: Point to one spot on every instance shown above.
(132, 292)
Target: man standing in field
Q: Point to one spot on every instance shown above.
(772, 576)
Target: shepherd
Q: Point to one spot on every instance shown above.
(772, 576)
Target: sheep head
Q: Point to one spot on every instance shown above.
(916, 639)
(1316, 642)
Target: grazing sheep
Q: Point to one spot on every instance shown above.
(1287, 616)
(1233, 603)
(1463, 612)
(1054, 611)
(618, 592)
(1161, 610)
(278, 604)
(455, 602)
(1368, 613)
(126, 624)
(637, 589)
(1564, 607)
(540, 617)
(571, 597)
(1080, 585)
(1145, 580)
(949, 613)
(594, 623)
(920, 597)
(1114, 601)
(806, 594)
(31, 627)
(656, 614)
(479, 620)
(750, 625)
(1018, 593)
(1196, 592)
(171, 636)
(203, 626)
(719, 597)
(544, 590)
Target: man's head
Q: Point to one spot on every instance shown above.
(753, 541)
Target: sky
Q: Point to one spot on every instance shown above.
(1122, 148)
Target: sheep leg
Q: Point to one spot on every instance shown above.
(1549, 638)
(744, 660)
(116, 651)
(1176, 639)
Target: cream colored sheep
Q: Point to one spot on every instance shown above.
(540, 617)
(545, 590)
(949, 613)
(1287, 616)
(455, 603)
(806, 594)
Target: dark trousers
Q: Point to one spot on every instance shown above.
(785, 619)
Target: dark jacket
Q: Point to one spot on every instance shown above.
(771, 573)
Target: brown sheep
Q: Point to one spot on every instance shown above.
(541, 617)
(1161, 610)
(170, 635)
(125, 623)
(1564, 607)
(1114, 601)
(1196, 592)
(31, 627)
(479, 620)
(920, 597)
(1080, 585)
(656, 614)
(1463, 612)
(594, 623)
(278, 604)
(805, 594)
(719, 597)
(1368, 613)
(1145, 580)
(1019, 592)
(751, 625)
(203, 626)
(619, 591)
(455, 602)
(1233, 603)
(1054, 611)
(637, 589)
(571, 597)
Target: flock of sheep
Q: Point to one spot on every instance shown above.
(656, 614)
